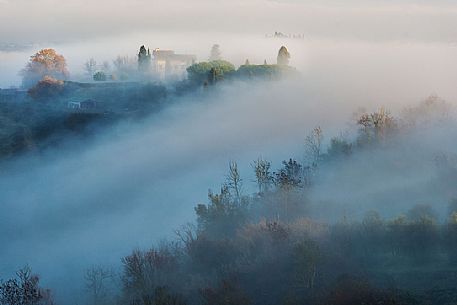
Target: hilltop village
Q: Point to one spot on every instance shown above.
(47, 79)
(51, 102)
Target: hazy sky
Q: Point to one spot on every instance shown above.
(63, 20)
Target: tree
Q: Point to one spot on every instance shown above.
(339, 147)
(219, 208)
(430, 111)
(223, 215)
(44, 63)
(124, 67)
(283, 56)
(145, 271)
(100, 76)
(375, 126)
(290, 176)
(46, 88)
(90, 66)
(97, 281)
(263, 175)
(122, 63)
(144, 59)
(215, 53)
(24, 290)
(313, 145)
(209, 71)
(268, 72)
(234, 181)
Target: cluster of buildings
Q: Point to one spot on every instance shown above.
(283, 35)
(168, 63)
(164, 64)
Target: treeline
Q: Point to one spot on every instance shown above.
(31, 126)
(208, 73)
(265, 248)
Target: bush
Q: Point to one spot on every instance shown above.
(100, 76)
(46, 88)
(209, 71)
(268, 72)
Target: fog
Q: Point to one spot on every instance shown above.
(372, 20)
(135, 183)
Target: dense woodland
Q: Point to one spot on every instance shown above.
(265, 248)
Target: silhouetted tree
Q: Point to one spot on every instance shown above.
(97, 280)
(290, 176)
(234, 181)
(145, 271)
(313, 146)
(144, 59)
(283, 56)
(263, 175)
(100, 76)
(24, 290)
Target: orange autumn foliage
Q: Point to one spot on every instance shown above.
(46, 62)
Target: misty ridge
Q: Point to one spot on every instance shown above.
(365, 217)
(311, 200)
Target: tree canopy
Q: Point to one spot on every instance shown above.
(283, 56)
(46, 62)
(200, 72)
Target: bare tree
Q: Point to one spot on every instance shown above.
(187, 234)
(313, 145)
(90, 66)
(263, 175)
(234, 181)
(97, 280)
(375, 126)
